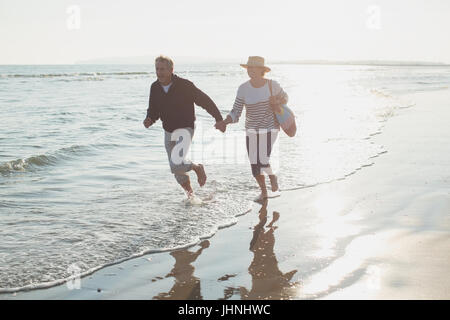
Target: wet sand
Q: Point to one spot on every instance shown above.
(381, 233)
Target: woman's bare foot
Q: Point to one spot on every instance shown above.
(276, 216)
(262, 196)
(274, 182)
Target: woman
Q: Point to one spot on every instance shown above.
(260, 123)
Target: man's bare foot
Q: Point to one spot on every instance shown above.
(189, 194)
(201, 174)
(274, 182)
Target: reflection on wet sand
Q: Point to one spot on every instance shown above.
(268, 282)
(186, 287)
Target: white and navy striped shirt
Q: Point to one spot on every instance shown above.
(259, 115)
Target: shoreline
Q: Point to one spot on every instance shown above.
(379, 234)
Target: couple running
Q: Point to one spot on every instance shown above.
(172, 100)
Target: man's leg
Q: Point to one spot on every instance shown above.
(201, 174)
(180, 175)
(188, 165)
(180, 169)
(183, 178)
(185, 183)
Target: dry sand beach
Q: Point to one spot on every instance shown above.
(381, 233)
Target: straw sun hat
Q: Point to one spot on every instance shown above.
(255, 61)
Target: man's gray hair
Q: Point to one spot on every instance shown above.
(166, 60)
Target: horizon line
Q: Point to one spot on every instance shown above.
(379, 62)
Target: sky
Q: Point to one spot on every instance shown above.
(65, 32)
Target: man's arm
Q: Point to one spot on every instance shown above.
(203, 100)
(152, 110)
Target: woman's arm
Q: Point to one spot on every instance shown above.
(279, 99)
(281, 95)
(234, 114)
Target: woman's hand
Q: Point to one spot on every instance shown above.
(276, 102)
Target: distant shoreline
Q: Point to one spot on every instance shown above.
(192, 60)
(379, 63)
(367, 63)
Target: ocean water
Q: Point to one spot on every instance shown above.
(83, 184)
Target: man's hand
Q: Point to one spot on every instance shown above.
(221, 125)
(148, 122)
(204, 244)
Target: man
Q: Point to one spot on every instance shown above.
(172, 100)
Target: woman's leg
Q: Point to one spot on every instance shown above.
(262, 185)
(273, 182)
(256, 167)
(271, 138)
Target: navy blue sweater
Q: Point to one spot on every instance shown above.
(176, 107)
